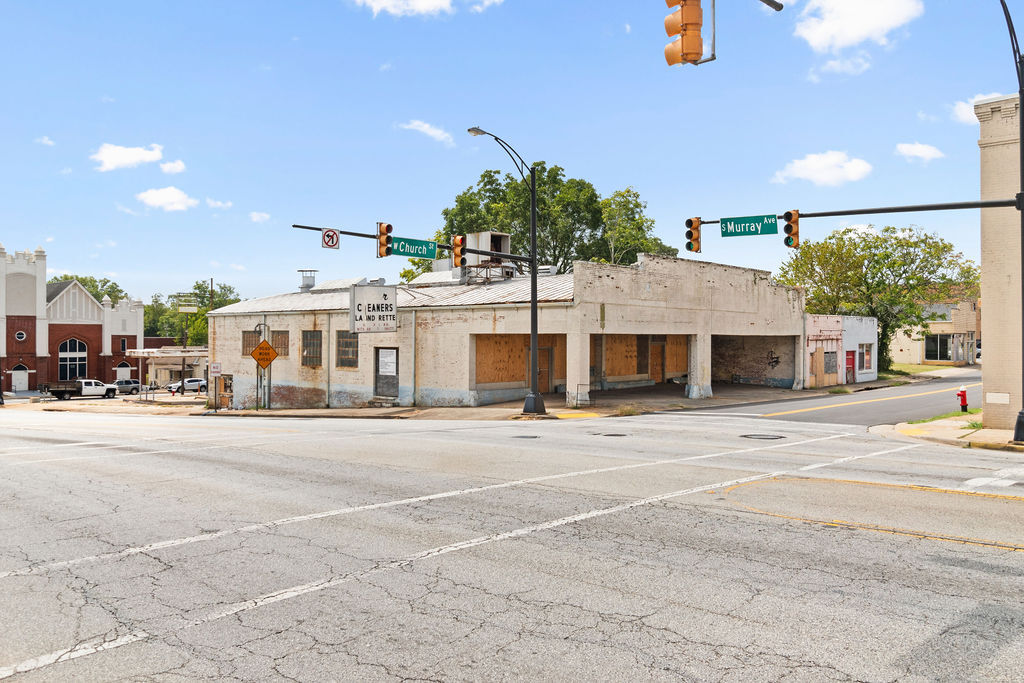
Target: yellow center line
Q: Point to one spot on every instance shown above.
(869, 400)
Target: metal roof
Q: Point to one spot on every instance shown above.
(550, 288)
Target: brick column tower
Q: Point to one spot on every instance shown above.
(1000, 261)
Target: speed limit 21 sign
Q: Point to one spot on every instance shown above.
(329, 239)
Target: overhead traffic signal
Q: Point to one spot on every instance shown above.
(792, 229)
(685, 22)
(458, 251)
(383, 239)
(693, 235)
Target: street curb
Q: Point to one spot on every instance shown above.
(996, 446)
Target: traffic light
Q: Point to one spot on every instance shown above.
(458, 251)
(686, 23)
(693, 234)
(792, 229)
(383, 239)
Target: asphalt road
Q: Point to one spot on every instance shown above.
(892, 405)
(687, 546)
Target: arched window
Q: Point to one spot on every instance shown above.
(72, 360)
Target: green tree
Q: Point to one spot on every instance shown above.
(162, 318)
(627, 230)
(572, 220)
(890, 274)
(97, 287)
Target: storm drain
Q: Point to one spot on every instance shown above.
(762, 437)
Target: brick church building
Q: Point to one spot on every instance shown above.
(60, 331)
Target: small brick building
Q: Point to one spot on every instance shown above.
(59, 331)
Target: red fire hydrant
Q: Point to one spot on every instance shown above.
(962, 395)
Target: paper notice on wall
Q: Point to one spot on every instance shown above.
(387, 362)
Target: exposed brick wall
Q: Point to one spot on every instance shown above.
(90, 334)
(753, 360)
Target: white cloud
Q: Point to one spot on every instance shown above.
(45, 140)
(964, 111)
(401, 8)
(112, 157)
(259, 217)
(57, 271)
(829, 169)
(484, 4)
(107, 99)
(65, 171)
(110, 273)
(925, 116)
(430, 131)
(385, 67)
(236, 266)
(852, 66)
(172, 167)
(917, 150)
(215, 264)
(49, 239)
(125, 209)
(167, 198)
(214, 204)
(831, 25)
(629, 29)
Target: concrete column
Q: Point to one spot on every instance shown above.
(42, 323)
(700, 366)
(1000, 262)
(108, 317)
(3, 302)
(799, 363)
(577, 369)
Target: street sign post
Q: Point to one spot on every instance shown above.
(330, 239)
(264, 354)
(403, 246)
(750, 225)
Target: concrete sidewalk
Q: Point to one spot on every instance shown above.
(604, 404)
(962, 431)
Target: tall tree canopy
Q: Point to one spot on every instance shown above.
(163, 320)
(573, 222)
(890, 274)
(97, 287)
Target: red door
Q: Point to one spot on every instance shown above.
(851, 367)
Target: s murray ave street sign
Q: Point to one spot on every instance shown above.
(750, 225)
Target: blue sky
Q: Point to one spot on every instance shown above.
(159, 143)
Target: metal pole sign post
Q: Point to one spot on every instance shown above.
(750, 225)
(264, 354)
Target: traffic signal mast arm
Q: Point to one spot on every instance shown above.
(991, 204)
(374, 236)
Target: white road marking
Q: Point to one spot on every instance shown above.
(317, 586)
(61, 564)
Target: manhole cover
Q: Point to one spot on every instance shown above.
(762, 437)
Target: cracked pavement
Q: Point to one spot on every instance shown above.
(656, 547)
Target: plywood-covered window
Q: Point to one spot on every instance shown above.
(250, 340)
(312, 348)
(348, 349)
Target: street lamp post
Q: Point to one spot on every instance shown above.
(1018, 430)
(534, 404)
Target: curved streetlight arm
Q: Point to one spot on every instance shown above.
(516, 158)
(1013, 42)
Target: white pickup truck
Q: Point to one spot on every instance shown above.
(80, 387)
